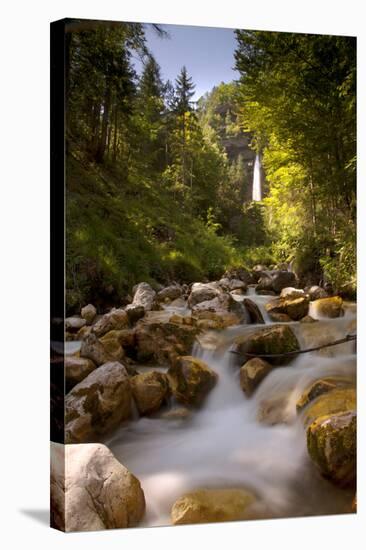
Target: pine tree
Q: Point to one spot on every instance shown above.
(184, 91)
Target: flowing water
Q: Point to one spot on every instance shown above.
(223, 444)
(257, 188)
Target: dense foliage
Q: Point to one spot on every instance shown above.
(144, 177)
(298, 99)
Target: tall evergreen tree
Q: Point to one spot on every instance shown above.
(184, 91)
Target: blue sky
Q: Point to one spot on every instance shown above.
(207, 52)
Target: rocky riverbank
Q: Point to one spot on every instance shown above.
(138, 361)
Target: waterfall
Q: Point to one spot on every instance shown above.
(257, 188)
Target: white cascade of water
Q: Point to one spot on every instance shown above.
(257, 187)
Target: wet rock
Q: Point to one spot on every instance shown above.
(329, 307)
(279, 317)
(275, 410)
(295, 308)
(264, 285)
(163, 341)
(315, 292)
(76, 369)
(149, 390)
(144, 296)
(190, 380)
(203, 292)
(319, 387)
(224, 307)
(255, 314)
(276, 339)
(177, 413)
(210, 320)
(116, 319)
(238, 292)
(308, 319)
(283, 279)
(292, 293)
(98, 404)
(73, 324)
(252, 374)
(212, 505)
(96, 491)
(93, 349)
(331, 442)
(89, 313)
(126, 337)
(329, 403)
(169, 293)
(265, 292)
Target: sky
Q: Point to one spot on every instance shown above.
(207, 52)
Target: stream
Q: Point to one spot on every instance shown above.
(223, 444)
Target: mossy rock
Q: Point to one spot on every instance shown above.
(190, 380)
(331, 442)
(333, 402)
(252, 374)
(319, 387)
(295, 308)
(149, 390)
(274, 340)
(212, 505)
(161, 342)
(329, 307)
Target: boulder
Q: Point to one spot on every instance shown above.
(331, 442)
(98, 404)
(149, 390)
(93, 349)
(308, 319)
(265, 292)
(279, 317)
(211, 320)
(315, 292)
(329, 403)
(190, 380)
(254, 312)
(212, 505)
(221, 305)
(239, 273)
(83, 332)
(126, 337)
(112, 345)
(169, 293)
(73, 324)
(144, 296)
(134, 313)
(292, 293)
(328, 307)
(203, 292)
(295, 308)
(276, 339)
(252, 374)
(275, 410)
(98, 492)
(319, 387)
(76, 369)
(283, 279)
(264, 285)
(114, 320)
(89, 313)
(162, 342)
